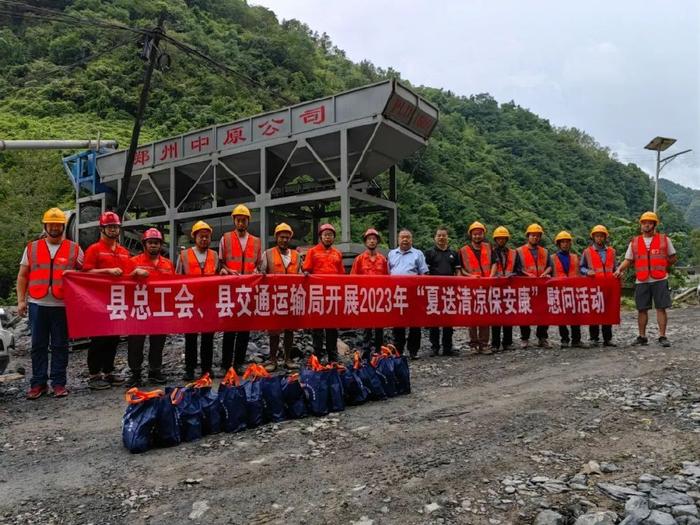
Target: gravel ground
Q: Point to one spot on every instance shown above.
(558, 436)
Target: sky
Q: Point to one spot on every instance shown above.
(624, 71)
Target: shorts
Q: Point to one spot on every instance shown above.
(658, 291)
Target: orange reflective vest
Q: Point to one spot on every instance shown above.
(595, 263)
(558, 267)
(652, 262)
(476, 267)
(530, 265)
(275, 264)
(510, 263)
(46, 273)
(189, 261)
(237, 259)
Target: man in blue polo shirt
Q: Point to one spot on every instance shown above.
(407, 260)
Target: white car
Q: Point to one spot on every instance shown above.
(7, 341)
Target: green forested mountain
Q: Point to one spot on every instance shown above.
(498, 163)
(687, 200)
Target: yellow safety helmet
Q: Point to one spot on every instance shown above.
(599, 228)
(241, 209)
(283, 227)
(475, 226)
(53, 216)
(200, 225)
(649, 216)
(501, 231)
(563, 236)
(534, 228)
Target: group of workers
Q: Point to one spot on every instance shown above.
(44, 261)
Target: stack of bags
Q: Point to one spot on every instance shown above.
(162, 418)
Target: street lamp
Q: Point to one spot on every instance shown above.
(660, 144)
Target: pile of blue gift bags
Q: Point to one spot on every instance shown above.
(163, 418)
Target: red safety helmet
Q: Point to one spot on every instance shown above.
(153, 234)
(109, 217)
(325, 227)
(371, 231)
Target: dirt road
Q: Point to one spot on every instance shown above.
(483, 439)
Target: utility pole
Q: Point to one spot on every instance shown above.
(150, 52)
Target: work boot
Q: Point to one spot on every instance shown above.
(114, 379)
(157, 377)
(289, 363)
(97, 383)
(134, 380)
(544, 343)
(271, 364)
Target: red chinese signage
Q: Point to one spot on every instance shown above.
(270, 127)
(168, 151)
(100, 305)
(142, 157)
(199, 143)
(314, 115)
(234, 136)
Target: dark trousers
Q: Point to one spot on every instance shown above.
(237, 341)
(275, 344)
(594, 332)
(206, 352)
(136, 343)
(575, 334)
(49, 329)
(331, 337)
(541, 332)
(372, 341)
(101, 354)
(413, 339)
(496, 340)
(447, 332)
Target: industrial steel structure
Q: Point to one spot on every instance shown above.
(302, 164)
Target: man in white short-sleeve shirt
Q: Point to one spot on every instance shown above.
(40, 292)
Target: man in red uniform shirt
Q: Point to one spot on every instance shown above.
(155, 264)
(371, 262)
(324, 259)
(107, 256)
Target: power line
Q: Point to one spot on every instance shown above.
(43, 13)
(225, 68)
(69, 67)
(60, 16)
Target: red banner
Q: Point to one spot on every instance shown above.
(101, 305)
